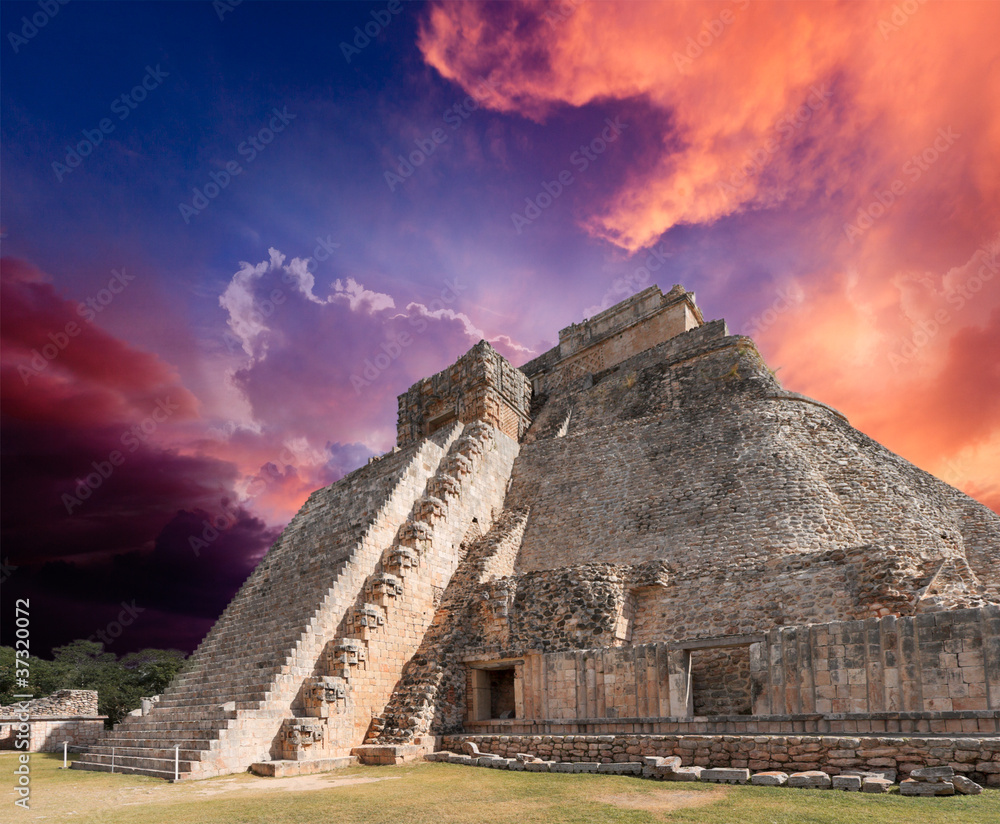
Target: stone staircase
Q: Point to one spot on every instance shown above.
(225, 710)
(361, 667)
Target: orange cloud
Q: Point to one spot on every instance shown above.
(865, 133)
(768, 98)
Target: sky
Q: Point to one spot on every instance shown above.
(233, 233)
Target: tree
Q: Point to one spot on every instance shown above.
(84, 665)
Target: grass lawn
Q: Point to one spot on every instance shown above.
(431, 793)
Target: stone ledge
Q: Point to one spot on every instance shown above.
(388, 754)
(284, 769)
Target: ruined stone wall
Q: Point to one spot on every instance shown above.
(977, 758)
(68, 716)
(61, 703)
(571, 608)
(937, 662)
(479, 386)
(49, 734)
(634, 325)
(758, 593)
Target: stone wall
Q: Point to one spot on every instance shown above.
(479, 386)
(64, 716)
(60, 704)
(571, 608)
(49, 734)
(720, 681)
(931, 663)
(977, 758)
(612, 336)
(935, 662)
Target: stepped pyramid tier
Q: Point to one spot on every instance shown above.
(638, 530)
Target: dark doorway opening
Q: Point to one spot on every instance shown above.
(502, 693)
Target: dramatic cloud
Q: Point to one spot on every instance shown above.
(105, 506)
(770, 101)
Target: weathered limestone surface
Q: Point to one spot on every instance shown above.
(773, 778)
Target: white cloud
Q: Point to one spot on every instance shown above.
(510, 343)
(298, 273)
(357, 297)
(468, 326)
(245, 321)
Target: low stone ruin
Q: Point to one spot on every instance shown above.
(927, 781)
(938, 781)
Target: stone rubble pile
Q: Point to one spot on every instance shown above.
(938, 781)
(927, 781)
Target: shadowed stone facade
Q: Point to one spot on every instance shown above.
(637, 533)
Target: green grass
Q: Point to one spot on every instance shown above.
(428, 793)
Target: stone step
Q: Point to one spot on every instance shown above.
(221, 693)
(173, 725)
(186, 753)
(197, 739)
(203, 713)
(123, 762)
(184, 702)
(83, 764)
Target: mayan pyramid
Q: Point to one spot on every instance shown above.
(638, 531)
